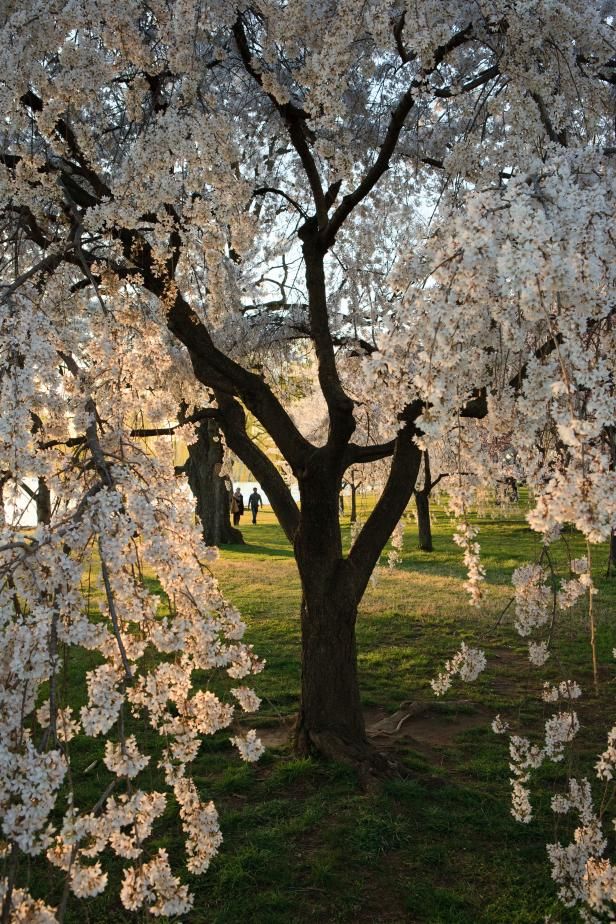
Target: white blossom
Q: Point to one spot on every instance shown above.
(249, 746)
(466, 664)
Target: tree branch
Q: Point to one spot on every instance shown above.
(47, 264)
(379, 526)
(396, 123)
(364, 454)
(233, 426)
(477, 406)
(405, 56)
(478, 81)
(212, 367)
(262, 190)
(293, 117)
(339, 405)
(557, 137)
(216, 370)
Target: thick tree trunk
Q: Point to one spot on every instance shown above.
(330, 719)
(422, 503)
(210, 490)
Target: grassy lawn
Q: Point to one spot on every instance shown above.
(302, 841)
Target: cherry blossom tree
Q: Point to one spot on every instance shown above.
(273, 164)
(424, 192)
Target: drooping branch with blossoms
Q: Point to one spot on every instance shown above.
(118, 514)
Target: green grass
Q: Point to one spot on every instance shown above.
(303, 842)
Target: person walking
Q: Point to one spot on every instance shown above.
(237, 506)
(254, 502)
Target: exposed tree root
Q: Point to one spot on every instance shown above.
(391, 724)
(371, 764)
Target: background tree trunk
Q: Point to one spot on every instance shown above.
(211, 491)
(611, 561)
(43, 502)
(422, 503)
(354, 486)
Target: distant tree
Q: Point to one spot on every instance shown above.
(422, 503)
(211, 489)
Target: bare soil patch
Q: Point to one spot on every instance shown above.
(424, 724)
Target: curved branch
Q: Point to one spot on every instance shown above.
(379, 526)
(293, 117)
(233, 426)
(396, 124)
(218, 371)
(405, 56)
(262, 190)
(362, 454)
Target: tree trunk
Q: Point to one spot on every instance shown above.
(353, 503)
(611, 561)
(422, 502)
(330, 720)
(211, 491)
(43, 502)
(354, 486)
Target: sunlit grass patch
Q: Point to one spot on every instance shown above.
(302, 841)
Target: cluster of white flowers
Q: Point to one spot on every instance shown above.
(583, 875)
(560, 729)
(538, 653)
(25, 908)
(249, 746)
(394, 556)
(499, 727)
(66, 726)
(467, 664)
(118, 511)
(200, 824)
(566, 690)
(606, 765)
(532, 598)
(464, 536)
(247, 698)
(124, 758)
(153, 884)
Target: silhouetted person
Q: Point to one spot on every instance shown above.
(254, 502)
(237, 506)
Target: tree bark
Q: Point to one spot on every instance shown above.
(353, 503)
(422, 503)
(330, 720)
(211, 491)
(611, 561)
(43, 502)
